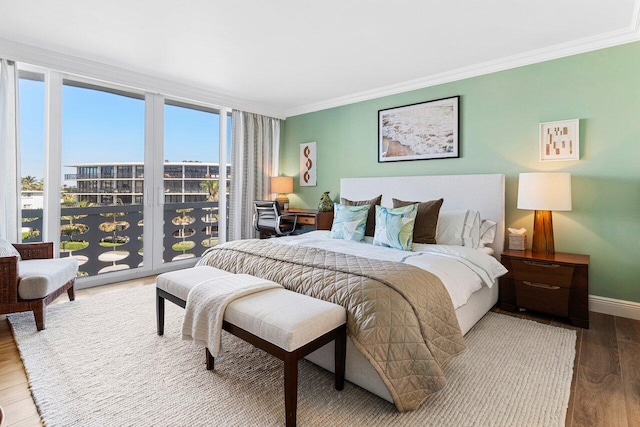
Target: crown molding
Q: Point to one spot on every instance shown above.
(601, 41)
(109, 73)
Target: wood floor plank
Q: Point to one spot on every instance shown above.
(20, 411)
(600, 345)
(14, 394)
(10, 362)
(599, 399)
(570, 406)
(628, 329)
(7, 346)
(29, 422)
(13, 378)
(630, 367)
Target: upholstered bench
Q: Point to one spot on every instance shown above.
(283, 323)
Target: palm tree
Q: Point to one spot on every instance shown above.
(211, 186)
(39, 185)
(29, 182)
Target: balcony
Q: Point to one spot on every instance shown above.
(110, 238)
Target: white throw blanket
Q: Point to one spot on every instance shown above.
(207, 301)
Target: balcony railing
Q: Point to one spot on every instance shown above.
(110, 238)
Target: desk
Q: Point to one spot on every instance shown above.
(318, 220)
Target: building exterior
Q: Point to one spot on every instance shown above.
(32, 199)
(124, 182)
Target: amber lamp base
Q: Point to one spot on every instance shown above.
(542, 233)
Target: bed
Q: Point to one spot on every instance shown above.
(483, 193)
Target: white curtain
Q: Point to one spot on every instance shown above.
(254, 159)
(10, 227)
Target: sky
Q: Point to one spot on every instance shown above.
(101, 127)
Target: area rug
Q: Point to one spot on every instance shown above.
(99, 362)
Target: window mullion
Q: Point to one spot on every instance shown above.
(222, 173)
(53, 158)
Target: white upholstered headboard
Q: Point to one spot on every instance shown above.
(484, 193)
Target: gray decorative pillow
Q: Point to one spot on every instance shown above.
(424, 230)
(371, 217)
(7, 249)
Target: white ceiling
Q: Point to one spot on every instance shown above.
(293, 56)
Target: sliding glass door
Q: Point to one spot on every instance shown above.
(103, 183)
(192, 176)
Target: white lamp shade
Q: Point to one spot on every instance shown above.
(282, 184)
(545, 191)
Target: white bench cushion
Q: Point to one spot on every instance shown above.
(179, 283)
(40, 277)
(285, 318)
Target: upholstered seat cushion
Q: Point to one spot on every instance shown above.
(40, 277)
(178, 283)
(285, 318)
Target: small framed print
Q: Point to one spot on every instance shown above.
(560, 141)
(308, 165)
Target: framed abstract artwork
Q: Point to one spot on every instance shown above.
(560, 140)
(308, 165)
(424, 131)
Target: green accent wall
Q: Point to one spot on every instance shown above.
(499, 118)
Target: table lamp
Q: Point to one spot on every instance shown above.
(281, 185)
(544, 192)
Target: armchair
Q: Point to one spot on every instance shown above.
(35, 280)
(269, 220)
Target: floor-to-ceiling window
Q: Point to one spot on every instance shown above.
(100, 161)
(31, 92)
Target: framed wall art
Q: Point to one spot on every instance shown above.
(308, 165)
(424, 131)
(560, 140)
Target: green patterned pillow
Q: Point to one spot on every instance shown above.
(349, 222)
(394, 227)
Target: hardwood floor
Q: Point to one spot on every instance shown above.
(605, 390)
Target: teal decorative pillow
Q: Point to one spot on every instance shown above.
(394, 227)
(349, 222)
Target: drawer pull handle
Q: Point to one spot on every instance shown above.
(542, 264)
(541, 285)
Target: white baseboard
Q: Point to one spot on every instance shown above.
(615, 307)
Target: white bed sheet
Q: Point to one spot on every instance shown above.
(462, 270)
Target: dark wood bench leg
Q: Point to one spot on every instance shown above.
(38, 314)
(160, 313)
(71, 293)
(341, 356)
(210, 359)
(290, 388)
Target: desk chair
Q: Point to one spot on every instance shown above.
(268, 220)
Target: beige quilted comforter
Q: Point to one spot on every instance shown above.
(399, 316)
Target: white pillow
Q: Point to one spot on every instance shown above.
(487, 232)
(460, 228)
(7, 249)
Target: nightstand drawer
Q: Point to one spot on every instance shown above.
(544, 272)
(544, 297)
(306, 220)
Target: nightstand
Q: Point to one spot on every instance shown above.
(315, 219)
(555, 284)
